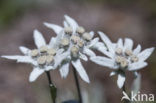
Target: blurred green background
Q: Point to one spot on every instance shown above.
(117, 18)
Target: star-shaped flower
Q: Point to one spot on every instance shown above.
(75, 39)
(44, 58)
(121, 57)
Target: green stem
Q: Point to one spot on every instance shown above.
(77, 85)
(53, 89)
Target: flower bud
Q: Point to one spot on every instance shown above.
(74, 51)
(80, 30)
(65, 42)
(118, 59)
(118, 51)
(124, 63)
(75, 38)
(49, 59)
(41, 60)
(68, 30)
(43, 49)
(51, 51)
(134, 58)
(86, 36)
(128, 52)
(34, 53)
(80, 43)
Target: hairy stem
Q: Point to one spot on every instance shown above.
(77, 84)
(53, 89)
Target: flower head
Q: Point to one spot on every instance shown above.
(43, 58)
(76, 40)
(121, 57)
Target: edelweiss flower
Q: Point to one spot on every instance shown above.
(74, 39)
(122, 57)
(44, 58)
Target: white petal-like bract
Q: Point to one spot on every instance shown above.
(65, 24)
(35, 74)
(24, 50)
(92, 34)
(89, 52)
(145, 54)
(103, 61)
(52, 42)
(80, 69)
(128, 44)
(59, 58)
(71, 22)
(83, 57)
(64, 70)
(99, 45)
(22, 59)
(137, 50)
(39, 39)
(120, 43)
(105, 52)
(107, 42)
(93, 42)
(57, 29)
(137, 66)
(121, 80)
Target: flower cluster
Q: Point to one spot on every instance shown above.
(121, 57)
(73, 43)
(78, 42)
(43, 58)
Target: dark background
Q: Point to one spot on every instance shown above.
(117, 18)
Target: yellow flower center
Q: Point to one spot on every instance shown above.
(80, 43)
(74, 51)
(68, 30)
(86, 36)
(124, 63)
(51, 51)
(41, 60)
(65, 42)
(134, 58)
(118, 51)
(128, 52)
(75, 38)
(43, 49)
(80, 30)
(34, 53)
(49, 59)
